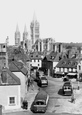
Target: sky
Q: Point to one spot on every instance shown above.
(58, 19)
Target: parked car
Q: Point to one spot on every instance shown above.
(40, 102)
(67, 88)
(42, 81)
(65, 79)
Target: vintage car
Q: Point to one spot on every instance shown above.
(41, 79)
(40, 102)
(67, 88)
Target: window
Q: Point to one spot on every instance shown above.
(69, 62)
(3, 46)
(69, 69)
(79, 67)
(65, 69)
(11, 100)
(38, 65)
(61, 69)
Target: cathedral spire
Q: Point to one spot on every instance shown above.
(17, 36)
(17, 28)
(34, 17)
(25, 29)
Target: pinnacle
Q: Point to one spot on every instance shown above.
(17, 28)
(25, 29)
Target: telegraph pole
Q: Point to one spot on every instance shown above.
(78, 69)
(78, 79)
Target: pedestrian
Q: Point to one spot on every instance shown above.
(73, 98)
(32, 83)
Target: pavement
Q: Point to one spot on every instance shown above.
(30, 95)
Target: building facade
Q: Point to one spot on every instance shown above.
(35, 60)
(10, 97)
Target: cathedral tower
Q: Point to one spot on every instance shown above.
(34, 30)
(25, 34)
(17, 36)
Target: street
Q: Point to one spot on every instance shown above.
(55, 92)
(56, 100)
(30, 113)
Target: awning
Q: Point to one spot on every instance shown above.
(60, 73)
(72, 74)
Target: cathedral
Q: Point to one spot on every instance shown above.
(31, 41)
(33, 35)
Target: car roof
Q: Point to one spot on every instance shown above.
(67, 83)
(42, 95)
(43, 77)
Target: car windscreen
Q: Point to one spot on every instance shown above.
(43, 78)
(39, 102)
(67, 83)
(67, 87)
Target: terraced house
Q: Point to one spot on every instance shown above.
(35, 60)
(68, 67)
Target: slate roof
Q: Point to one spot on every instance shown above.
(35, 55)
(53, 56)
(67, 63)
(12, 79)
(16, 66)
